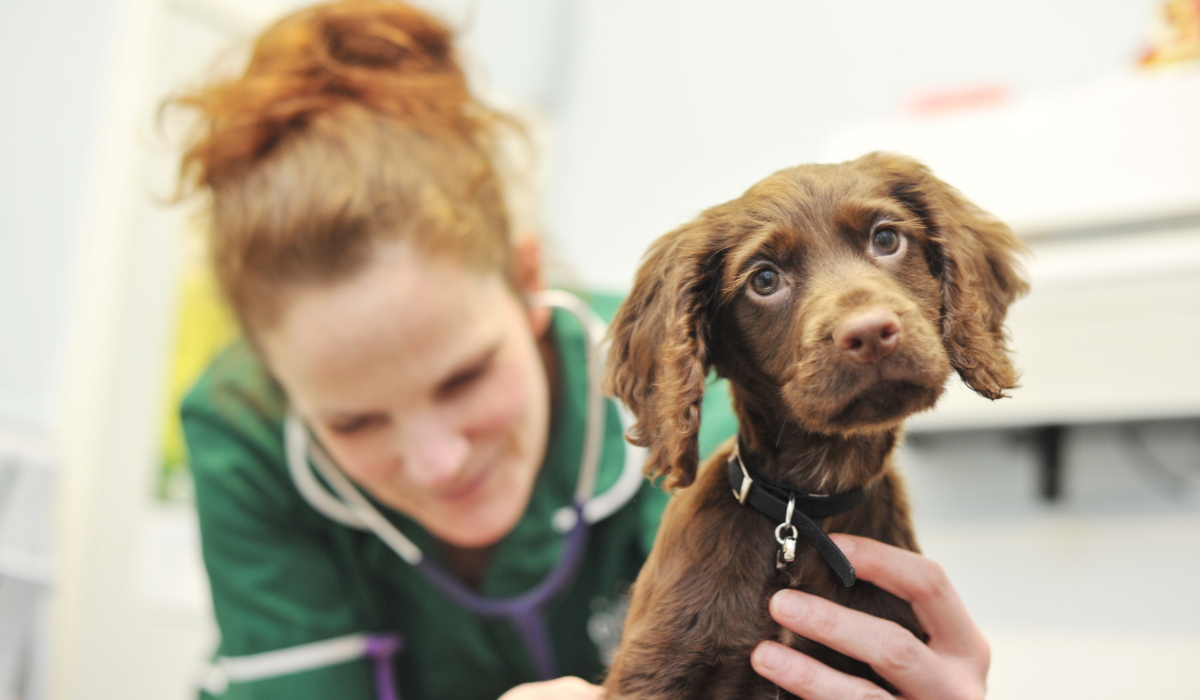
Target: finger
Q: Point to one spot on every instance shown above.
(894, 652)
(565, 688)
(575, 687)
(808, 678)
(924, 585)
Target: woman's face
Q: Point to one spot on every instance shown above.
(423, 380)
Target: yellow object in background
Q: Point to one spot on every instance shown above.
(204, 326)
(1176, 36)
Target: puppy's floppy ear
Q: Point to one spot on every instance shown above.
(659, 357)
(974, 257)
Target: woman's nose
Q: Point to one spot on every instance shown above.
(435, 452)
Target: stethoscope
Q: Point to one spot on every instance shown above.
(344, 503)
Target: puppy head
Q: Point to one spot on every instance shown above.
(834, 297)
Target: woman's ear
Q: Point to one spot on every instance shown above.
(974, 256)
(527, 276)
(659, 358)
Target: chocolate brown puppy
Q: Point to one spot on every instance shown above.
(837, 300)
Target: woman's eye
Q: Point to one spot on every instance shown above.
(886, 241)
(764, 282)
(467, 376)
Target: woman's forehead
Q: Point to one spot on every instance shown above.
(398, 324)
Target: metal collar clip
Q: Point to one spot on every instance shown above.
(785, 535)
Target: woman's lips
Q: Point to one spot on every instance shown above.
(467, 490)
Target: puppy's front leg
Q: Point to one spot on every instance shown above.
(699, 604)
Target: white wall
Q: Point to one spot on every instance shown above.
(677, 105)
(54, 56)
(120, 631)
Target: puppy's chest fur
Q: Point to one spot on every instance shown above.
(700, 603)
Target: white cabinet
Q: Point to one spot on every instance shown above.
(1103, 183)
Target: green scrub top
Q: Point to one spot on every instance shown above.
(284, 575)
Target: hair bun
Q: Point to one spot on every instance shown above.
(391, 58)
(359, 34)
(382, 55)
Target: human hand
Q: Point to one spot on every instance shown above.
(952, 667)
(566, 688)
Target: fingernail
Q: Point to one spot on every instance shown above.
(789, 603)
(769, 656)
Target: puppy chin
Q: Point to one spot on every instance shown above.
(884, 406)
(861, 401)
(880, 408)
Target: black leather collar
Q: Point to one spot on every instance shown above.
(772, 500)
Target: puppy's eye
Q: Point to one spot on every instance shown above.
(886, 241)
(765, 281)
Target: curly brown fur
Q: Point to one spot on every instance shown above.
(811, 415)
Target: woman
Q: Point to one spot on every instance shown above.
(360, 236)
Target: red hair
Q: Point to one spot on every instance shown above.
(352, 124)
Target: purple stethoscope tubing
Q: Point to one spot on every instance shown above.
(380, 649)
(526, 612)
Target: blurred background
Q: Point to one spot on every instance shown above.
(1068, 516)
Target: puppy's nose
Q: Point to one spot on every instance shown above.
(869, 336)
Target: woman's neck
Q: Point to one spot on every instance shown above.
(468, 564)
